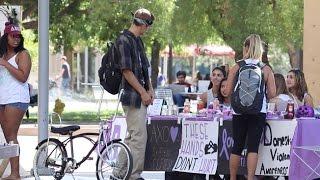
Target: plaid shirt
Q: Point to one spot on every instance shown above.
(133, 57)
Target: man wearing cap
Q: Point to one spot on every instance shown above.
(137, 89)
(64, 74)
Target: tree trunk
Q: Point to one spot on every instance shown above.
(296, 57)
(170, 63)
(155, 58)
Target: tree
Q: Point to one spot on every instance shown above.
(113, 16)
(278, 22)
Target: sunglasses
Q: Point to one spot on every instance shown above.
(148, 22)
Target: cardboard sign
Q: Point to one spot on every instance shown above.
(274, 149)
(199, 147)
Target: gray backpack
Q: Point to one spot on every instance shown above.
(249, 88)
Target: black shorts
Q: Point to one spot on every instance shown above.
(247, 126)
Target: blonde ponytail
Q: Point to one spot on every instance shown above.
(254, 45)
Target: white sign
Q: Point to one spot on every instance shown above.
(274, 149)
(155, 108)
(119, 128)
(199, 146)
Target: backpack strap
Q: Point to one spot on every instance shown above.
(241, 63)
(261, 64)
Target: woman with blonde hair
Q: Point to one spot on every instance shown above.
(245, 125)
(297, 86)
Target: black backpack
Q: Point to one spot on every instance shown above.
(249, 88)
(110, 74)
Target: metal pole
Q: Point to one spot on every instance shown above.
(43, 7)
(78, 71)
(86, 66)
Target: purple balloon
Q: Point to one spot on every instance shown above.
(305, 111)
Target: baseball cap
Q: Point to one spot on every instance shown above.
(64, 57)
(12, 29)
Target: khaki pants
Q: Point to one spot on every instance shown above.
(136, 138)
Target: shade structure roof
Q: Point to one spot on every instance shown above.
(204, 50)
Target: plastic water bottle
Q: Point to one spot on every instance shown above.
(186, 106)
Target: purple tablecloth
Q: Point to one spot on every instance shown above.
(306, 135)
(192, 117)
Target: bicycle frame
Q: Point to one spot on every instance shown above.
(103, 139)
(82, 135)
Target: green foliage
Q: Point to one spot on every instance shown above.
(32, 47)
(68, 25)
(108, 18)
(278, 22)
(78, 116)
(189, 24)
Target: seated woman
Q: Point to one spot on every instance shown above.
(223, 97)
(282, 93)
(216, 76)
(297, 86)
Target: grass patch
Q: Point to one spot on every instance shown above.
(77, 117)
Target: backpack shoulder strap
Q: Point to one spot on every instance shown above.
(241, 63)
(261, 65)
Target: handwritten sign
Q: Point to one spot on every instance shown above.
(164, 138)
(199, 146)
(155, 108)
(274, 149)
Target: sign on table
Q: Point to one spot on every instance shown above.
(164, 139)
(199, 146)
(274, 149)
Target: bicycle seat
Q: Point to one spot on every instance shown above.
(65, 130)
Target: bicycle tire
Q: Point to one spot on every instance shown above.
(46, 165)
(112, 162)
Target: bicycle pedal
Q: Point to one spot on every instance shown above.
(90, 158)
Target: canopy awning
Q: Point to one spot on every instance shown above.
(203, 50)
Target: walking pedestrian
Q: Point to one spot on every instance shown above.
(64, 75)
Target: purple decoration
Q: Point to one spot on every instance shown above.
(305, 111)
(174, 133)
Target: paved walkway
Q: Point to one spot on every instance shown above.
(28, 140)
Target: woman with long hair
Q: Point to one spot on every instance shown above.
(297, 86)
(282, 93)
(15, 65)
(223, 97)
(246, 125)
(216, 76)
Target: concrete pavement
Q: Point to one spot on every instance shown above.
(28, 140)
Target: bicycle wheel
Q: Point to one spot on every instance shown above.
(50, 159)
(115, 160)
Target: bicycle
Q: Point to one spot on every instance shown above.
(51, 158)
